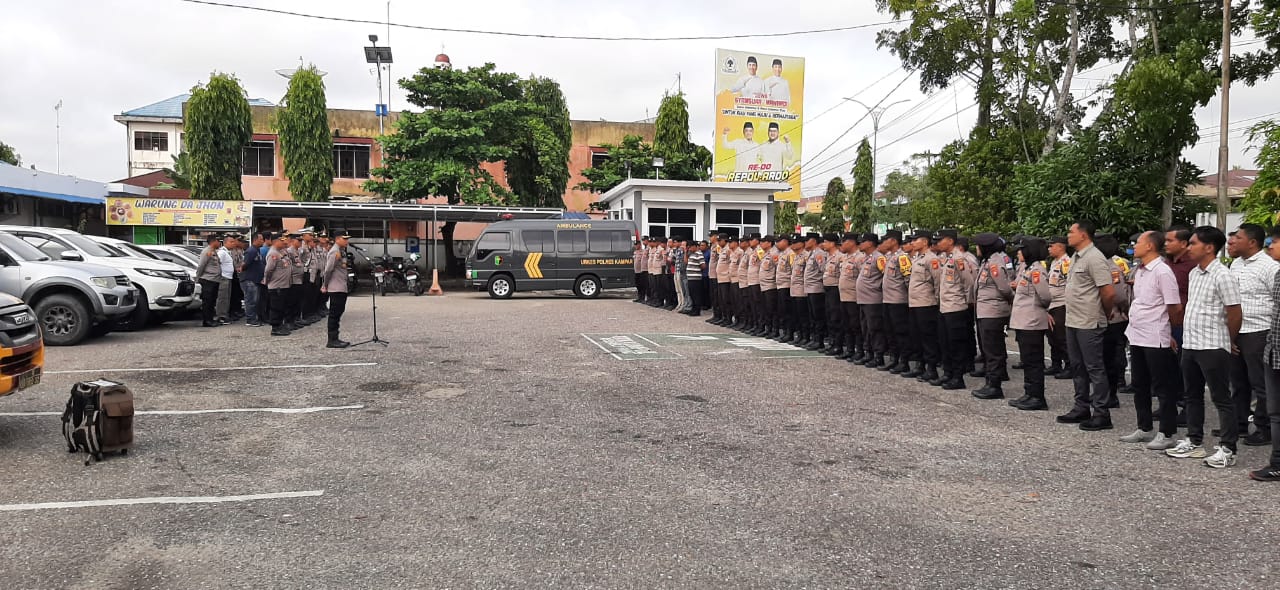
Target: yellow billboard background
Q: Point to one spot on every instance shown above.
(748, 155)
(179, 212)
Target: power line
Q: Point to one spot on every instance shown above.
(855, 124)
(1128, 6)
(543, 35)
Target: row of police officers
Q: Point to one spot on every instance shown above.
(300, 275)
(921, 306)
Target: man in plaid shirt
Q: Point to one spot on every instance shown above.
(1255, 273)
(1211, 325)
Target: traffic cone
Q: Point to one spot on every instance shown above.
(435, 283)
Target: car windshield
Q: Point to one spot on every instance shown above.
(21, 249)
(134, 250)
(90, 247)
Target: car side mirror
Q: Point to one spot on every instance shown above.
(72, 256)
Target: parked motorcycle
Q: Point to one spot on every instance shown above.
(387, 276)
(353, 280)
(411, 277)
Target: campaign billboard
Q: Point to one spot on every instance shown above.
(179, 212)
(759, 116)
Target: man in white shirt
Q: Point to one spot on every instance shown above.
(227, 271)
(779, 88)
(750, 85)
(776, 153)
(1255, 272)
(745, 150)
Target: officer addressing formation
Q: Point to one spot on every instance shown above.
(304, 280)
(922, 306)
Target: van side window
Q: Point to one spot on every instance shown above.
(539, 240)
(572, 241)
(600, 241)
(492, 242)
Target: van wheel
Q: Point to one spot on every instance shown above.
(64, 320)
(587, 287)
(501, 287)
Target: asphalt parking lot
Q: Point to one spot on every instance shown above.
(532, 443)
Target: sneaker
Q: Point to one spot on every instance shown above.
(1265, 474)
(1161, 443)
(1185, 449)
(1221, 458)
(253, 323)
(1139, 436)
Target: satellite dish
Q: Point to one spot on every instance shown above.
(289, 72)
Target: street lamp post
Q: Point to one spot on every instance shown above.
(876, 113)
(379, 56)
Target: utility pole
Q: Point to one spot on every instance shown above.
(57, 126)
(1224, 203)
(876, 113)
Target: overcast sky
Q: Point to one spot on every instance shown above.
(101, 57)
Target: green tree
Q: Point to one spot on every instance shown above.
(1262, 200)
(179, 173)
(305, 141)
(682, 159)
(218, 126)
(633, 158)
(901, 188)
(470, 117)
(968, 186)
(834, 203)
(538, 169)
(863, 189)
(785, 217)
(8, 155)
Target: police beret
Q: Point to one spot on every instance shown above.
(783, 238)
(830, 237)
(754, 236)
(893, 234)
(1058, 240)
(948, 233)
(797, 237)
(987, 240)
(813, 236)
(922, 233)
(768, 238)
(722, 236)
(733, 238)
(869, 237)
(849, 237)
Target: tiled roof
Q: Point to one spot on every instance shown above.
(171, 108)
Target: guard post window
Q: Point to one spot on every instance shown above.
(498, 241)
(350, 160)
(260, 158)
(151, 140)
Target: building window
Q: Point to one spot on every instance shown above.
(598, 158)
(182, 141)
(738, 222)
(350, 160)
(672, 223)
(259, 159)
(366, 229)
(151, 140)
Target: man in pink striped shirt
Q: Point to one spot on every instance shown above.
(1156, 307)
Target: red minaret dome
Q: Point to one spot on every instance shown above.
(442, 61)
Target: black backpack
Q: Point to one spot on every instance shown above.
(98, 419)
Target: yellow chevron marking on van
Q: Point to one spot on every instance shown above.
(531, 263)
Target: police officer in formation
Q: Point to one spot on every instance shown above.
(293, 278)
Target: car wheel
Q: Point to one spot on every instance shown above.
(141, 314)
(587, 287)
(64, 319)
(501, 287)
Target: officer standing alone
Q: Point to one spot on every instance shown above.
(334, 284)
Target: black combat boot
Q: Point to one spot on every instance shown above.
(929, 375)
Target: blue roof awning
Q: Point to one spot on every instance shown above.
(54, 196)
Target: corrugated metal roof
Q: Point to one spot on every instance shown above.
(171, 108)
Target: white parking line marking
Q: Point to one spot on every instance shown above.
(601, 347)
(217, 411)
(197, 369)
(159, 500)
